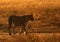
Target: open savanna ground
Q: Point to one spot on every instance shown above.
(31, 37)
(45, 27)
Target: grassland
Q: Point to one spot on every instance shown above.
(33, 37)
(45, 29)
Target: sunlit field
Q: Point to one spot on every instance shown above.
(31, 37)
(45, 27)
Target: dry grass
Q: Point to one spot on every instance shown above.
(31, 37)
(47, 13)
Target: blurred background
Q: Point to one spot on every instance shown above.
(45, 29)
(46, 11)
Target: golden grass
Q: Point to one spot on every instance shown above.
(47, 11)
(31, 37)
